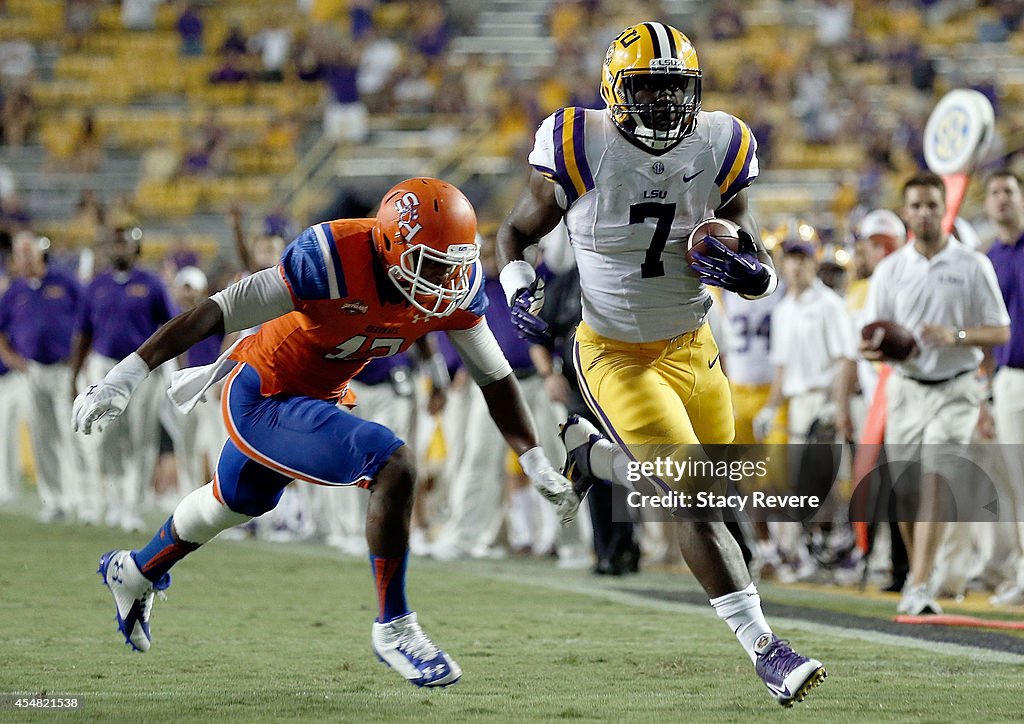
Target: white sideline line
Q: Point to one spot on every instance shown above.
(907, 642)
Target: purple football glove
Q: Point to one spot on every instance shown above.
(526, 306)
(740, 272)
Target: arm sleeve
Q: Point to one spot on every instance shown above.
(480, 353)
(989, 303)
(254, 300)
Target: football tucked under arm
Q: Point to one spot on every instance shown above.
(722, 254)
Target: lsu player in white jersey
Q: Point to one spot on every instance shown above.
(630, 182)
(750, 373)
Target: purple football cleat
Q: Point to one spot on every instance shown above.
(787, 674)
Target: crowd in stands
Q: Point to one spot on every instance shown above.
(841, 85)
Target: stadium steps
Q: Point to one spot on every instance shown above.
(54, 195)
(513, 31)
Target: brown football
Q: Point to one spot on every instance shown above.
(724, 231)
(892, 340)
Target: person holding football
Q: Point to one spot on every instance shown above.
(947, 295)
(631, 182)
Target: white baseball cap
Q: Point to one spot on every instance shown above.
(884, 223)
(191, 276)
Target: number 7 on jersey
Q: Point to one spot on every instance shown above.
(653, 266)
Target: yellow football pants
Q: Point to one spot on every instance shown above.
(665, 393)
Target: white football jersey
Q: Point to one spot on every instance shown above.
(629, 214)
(751, 324)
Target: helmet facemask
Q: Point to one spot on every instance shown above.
(657, 109)
(435, 282)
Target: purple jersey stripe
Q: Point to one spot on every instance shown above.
(744, 179)
(730, 156)
(579, 151)
(561, 172)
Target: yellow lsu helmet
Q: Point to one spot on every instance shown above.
(651, 85)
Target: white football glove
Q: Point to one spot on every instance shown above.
(104, 402)
(763, 423)
(553, 486)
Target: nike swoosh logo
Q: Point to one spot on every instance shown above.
(782, 691)
(710, 365)
(688, 179)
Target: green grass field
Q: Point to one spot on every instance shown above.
(263, 632)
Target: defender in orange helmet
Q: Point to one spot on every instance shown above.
(346, 291)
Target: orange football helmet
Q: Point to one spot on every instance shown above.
(425, 236)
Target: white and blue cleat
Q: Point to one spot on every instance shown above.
(133, 596)
(402, 645)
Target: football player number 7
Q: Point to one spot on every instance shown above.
(653, 266)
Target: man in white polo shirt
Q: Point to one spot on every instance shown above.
(811, 343)
(947, 295)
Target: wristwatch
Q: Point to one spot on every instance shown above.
(959, 336)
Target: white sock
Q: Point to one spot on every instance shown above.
(742, 611)
(200, 516)
(608, 461)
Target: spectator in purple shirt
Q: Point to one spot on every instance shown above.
(345, 116)
(121, 309)
(37, 319)
(190, 30)
(431, 33)
(1004, 206)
